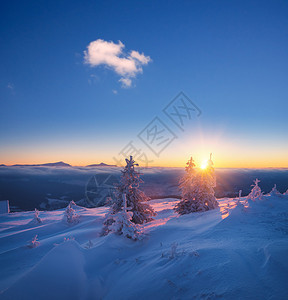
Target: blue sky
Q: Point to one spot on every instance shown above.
(228, 57)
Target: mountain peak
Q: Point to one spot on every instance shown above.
(56, 164)
(101, 165)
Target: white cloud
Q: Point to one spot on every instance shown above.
(101, 52)
(126, 82)
(140, 57)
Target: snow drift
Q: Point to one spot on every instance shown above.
(235, 252)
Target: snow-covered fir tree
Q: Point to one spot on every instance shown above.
(275, 192)
(286, 193)
(123, 224)
(129, 185)
(256, 193)
(36, 216)
(197, 187)
(70, 215)
(188, 178)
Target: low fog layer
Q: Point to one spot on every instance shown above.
(53, 187)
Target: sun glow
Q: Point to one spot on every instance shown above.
(204, 165)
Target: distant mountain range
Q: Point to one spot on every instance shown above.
(101, 165)
(58, 164)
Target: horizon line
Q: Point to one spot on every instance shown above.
(106, 165)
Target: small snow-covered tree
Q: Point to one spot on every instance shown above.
(239, 197)
(34, 242)
(197, 189)
(275, 192)
(36, 216)
(70, 215)
(73, 202)
(286, 193)
(129, 185)
(256, 193)
(123, 224)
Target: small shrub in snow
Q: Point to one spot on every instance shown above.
(70, 215)
(173, 250)
(89, 245)
(71, 238)
(256, 193)
(275, 192)
(34, 242)
(197, 189)
(195, 253)
(286, 193)
(36, 216)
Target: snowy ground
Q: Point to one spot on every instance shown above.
(231, 253)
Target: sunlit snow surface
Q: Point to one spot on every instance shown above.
(229, 253)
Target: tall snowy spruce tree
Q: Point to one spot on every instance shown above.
(197, 187)
(129, 186)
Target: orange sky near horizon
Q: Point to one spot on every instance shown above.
(221, 160)
(227, 152)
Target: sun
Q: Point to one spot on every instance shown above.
(204, 164)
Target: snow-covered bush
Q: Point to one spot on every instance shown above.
(239, 196)
(70, 216)
(34, 242)
(197, 189)
(275, 192)
(36, 216)
(286, 193)
(256, 193)
(122, 223)
(129, 185)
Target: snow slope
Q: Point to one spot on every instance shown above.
(228, 253)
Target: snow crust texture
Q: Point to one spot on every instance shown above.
(232, 252)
